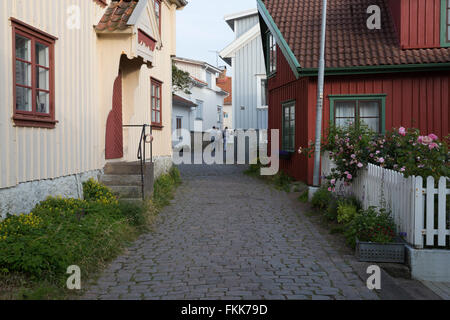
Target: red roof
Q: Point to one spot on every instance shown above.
(349, 42)
(117, 15)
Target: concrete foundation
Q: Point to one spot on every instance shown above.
(25, 196)
(162, 165)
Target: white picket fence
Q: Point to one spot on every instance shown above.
(419, 212)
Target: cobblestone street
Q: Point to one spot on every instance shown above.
(229, 236)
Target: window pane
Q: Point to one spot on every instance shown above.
(42, 55)
(23, 99)
(158, 117)
(369, 109)
(23, 73)
(158, 91)
(345, 109)
(344, 122)
(42, 78)
(263, 92)
(153, 116)
(23, 46)
(293, 112)
(158, 104)
(372, 123)
(43, 102)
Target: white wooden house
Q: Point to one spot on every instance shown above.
(72, 73)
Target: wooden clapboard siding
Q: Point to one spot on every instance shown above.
(34, 153)
(418, 22)
(419, 100)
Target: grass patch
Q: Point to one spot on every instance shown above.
(36, 249)
(280, 181)
(304, 197)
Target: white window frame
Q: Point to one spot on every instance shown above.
(259, 78)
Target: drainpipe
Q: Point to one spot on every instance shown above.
(319, 112)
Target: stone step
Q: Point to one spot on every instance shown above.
(123, 168)
(127, 192)
(132, 201)
(121, 180)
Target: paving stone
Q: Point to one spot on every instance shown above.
(230, 236)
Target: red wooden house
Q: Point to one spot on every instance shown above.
(395, 76)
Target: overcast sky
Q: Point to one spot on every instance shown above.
(201, 28)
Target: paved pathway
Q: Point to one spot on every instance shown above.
(229, 236)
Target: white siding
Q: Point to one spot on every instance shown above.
(28, 154)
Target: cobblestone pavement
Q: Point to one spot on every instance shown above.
(229, 236)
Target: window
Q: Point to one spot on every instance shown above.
(158, 13)
(33, 73)
(271, 47)
(219, 115)
(288, 133)
(367, 109)
(156, 102)
(262, 92)
(199, 115)
(179, 126)
(445, 23)
(209, 79)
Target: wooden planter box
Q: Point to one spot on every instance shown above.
(377, 252)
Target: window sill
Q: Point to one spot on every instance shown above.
(34, 122)
(157, 127)
(271, 75)
(262, 107)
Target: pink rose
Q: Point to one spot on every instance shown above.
(402, 131)
(381, 160)
(360, 165)
(433, 145)
(433, 137)
(349, 176)
(353, 156)
(425, 140)
(403, 169)
(329, 189)
(333, 181)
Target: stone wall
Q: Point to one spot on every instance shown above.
(25, 196)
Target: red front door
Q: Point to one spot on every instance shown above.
(114, 130)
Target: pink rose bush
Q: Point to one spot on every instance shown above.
(403, 150)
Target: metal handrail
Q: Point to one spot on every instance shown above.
(141, 153)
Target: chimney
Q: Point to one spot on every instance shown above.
(223, 74)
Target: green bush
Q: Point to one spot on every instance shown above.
(95, 191)
(346, 211)
(62, 232)
(371, 226)
(321, 198)
(332, 211)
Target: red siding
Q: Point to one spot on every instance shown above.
(283, 87)
(419, 100)
(418, 22)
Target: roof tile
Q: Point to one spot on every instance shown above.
(349, 42)
(116, 16)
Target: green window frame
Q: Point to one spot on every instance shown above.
(445, 23)
(288, 126)
(357, 100)
(271, 54)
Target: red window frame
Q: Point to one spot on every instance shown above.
(33, 118)
(158, 13)
(154, 99)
